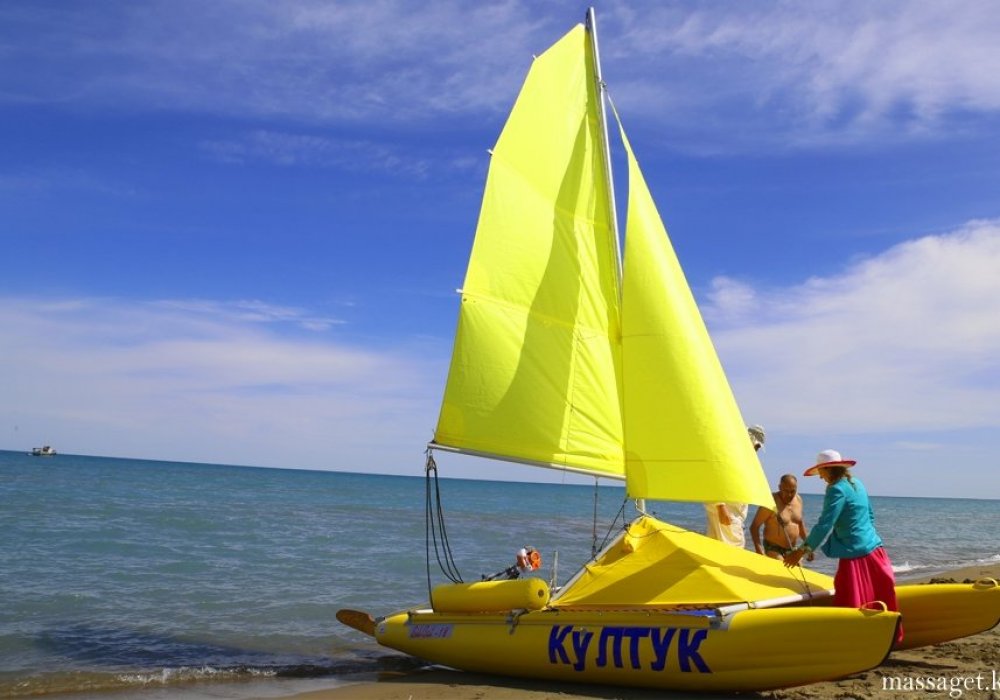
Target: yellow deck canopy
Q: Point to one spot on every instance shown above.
(654, 563)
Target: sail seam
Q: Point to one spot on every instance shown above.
(528, 312)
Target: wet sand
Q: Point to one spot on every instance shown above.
(966, 668)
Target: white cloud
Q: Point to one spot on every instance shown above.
(908, 340)
(922, 59)
(894, 361)
(801, 74)
(208, 381)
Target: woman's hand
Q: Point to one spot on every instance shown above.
(794, 557)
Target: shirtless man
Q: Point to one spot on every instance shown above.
(784, 526)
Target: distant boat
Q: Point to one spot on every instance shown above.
(46, 451)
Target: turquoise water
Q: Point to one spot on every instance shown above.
(160, 577)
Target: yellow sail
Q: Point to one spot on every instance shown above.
(549, 367)
(535, 369)
(684, 436)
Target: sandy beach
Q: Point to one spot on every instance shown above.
(965, 668)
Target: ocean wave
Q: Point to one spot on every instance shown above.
(910, 570)
(176, 677)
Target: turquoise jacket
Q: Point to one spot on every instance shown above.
(846, 527)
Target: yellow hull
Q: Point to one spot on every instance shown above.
(938, 613)
(750, 650)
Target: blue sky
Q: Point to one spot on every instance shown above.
(231, 231)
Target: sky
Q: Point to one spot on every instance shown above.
(231, 232)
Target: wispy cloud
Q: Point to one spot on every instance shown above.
(207, 381)
(826, 72)
(777, 73)
(310, 60)
(244, 311)
(298, 150)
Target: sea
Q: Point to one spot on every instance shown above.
(127, 578)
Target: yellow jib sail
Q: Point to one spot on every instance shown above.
(685, 438)
(534, 372)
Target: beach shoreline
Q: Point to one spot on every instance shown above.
(964, 668)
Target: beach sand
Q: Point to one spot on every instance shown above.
(969, 668)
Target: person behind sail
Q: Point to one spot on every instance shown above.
(526, 560)
(846, 531)
(726, 520)
(783, 526)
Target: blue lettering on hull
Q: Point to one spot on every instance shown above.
(627, 647)
(434, 631)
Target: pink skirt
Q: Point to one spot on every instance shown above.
(865, 580)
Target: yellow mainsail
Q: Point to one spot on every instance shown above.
(557, 362)
(534, 372)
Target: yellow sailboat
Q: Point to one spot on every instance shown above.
(564, 358)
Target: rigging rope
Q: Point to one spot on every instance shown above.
(799, 575)
(593, 542)
(594, 547)
(434, 527)
(611, 527)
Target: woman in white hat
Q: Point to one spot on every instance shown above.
(846, 531)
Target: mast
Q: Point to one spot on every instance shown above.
(602, 89)
(603, 117)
